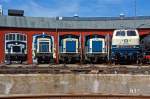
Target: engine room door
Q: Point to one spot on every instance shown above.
(70, 46)
(97, 46)
(44, 47)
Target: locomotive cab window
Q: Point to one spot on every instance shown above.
(10, 37)
(15, 36)
(24, 37)
(18, 37)
(131, 33)
(21, 37)
(7, 37)
(120, 33)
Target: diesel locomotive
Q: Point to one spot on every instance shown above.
(95, 48)
(69, 48)
(15, 47)
(125, 47)
(43, 48)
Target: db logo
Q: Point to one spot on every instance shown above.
(125, 40)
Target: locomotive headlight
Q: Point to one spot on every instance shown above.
(134, 46)
(23, 46)
(9, 46)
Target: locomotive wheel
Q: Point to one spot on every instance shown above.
(106, 61)
(21, 62)
(81, 60)
(113, 62)
(95, 60)
(8, 62)
(86, 61)
(38, 61)
(65, 60)
(138, 61)
(91, 60)
(69, 60)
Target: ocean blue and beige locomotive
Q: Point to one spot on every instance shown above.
(15, 47)
(69, 48)
(43, 48)
(95, 48)
(125, 46)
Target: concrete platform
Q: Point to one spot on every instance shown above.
(103, 84)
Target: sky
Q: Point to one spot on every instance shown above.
(83, 8)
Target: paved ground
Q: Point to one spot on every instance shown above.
(104, 84)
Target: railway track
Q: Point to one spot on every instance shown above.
(74, 97)
(68, 69)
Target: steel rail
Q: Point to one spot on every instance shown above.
(74, 96)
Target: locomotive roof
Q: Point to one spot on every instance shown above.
(75, 22)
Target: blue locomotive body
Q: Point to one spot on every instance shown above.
(69, 48)
(95, 48)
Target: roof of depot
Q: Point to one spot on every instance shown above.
(75, 22)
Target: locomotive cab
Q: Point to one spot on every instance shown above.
(125, 46)
(69, 48)
(15, 47)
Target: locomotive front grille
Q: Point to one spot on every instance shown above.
(16, 49)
